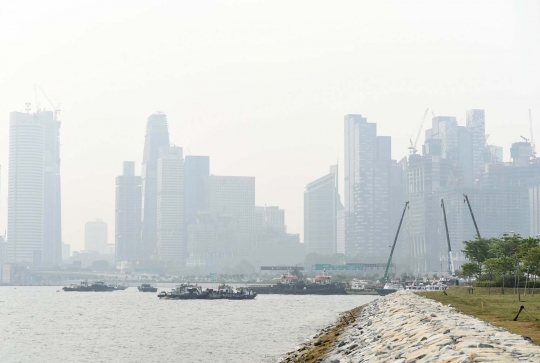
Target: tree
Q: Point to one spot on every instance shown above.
(503, 266)
(477, 249)
(471, 269)
(532, 262)
(490, 266)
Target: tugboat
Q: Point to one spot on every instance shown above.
(118, 287)
(291, 285)
(183, 292)
(195, 292)
(82, 287)
(147, 288)
(241, 294)
(100, 286)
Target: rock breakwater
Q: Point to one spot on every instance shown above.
(406, 328)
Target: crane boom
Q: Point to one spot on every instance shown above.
(472, 215)
(412, 148)
(394, 245)
(451, 268)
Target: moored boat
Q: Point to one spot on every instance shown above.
(147, 288)
(100, 286)
(83, 286)
(291, 285)
(195, 292)
(118, 287)
(390, 287)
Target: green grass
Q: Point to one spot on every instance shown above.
(496, 308)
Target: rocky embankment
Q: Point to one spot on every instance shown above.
(405, 327)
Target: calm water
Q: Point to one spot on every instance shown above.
(45, 325)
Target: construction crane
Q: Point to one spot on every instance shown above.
(412, 148)
(472, 214)
(56, 109)
(385, 277)
(533, 146)
(451, 268)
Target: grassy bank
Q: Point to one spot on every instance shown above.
(317, 349)
(496, 308)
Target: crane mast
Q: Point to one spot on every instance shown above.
(451, 268)
(394, 245)
(472, 215)
(412, 148)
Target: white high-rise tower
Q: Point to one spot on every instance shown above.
(25, 188)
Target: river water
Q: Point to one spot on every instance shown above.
(45, 325)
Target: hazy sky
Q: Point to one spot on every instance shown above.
(260, 87)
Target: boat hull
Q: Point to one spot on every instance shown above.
(79, 289)
(384, 292)
(147, 289)
(205, 297)
(297, 291)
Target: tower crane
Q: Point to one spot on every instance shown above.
(56, 110)
(412, 148)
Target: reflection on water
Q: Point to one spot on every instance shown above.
(45, 324)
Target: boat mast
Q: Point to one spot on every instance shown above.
(394, 245)
(472, 215)
(450, 258)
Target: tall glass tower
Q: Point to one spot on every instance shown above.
(157, 136)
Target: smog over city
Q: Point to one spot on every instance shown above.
(317, 159)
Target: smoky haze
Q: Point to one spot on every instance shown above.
(260, 87)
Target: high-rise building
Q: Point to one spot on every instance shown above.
(320, 214)
(170, 205)
(66, 251)
(235, 196)
(196, 172)
(128, 214)
(52, 220)
(25, 187)
(445, 128)
(95, 236)
(274, 219)
(367, 189)
(157, 136)
(534, 210)
(476, 123)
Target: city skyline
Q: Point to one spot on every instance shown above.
(439, 120)
(269, 104)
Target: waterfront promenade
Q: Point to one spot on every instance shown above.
(405, 327)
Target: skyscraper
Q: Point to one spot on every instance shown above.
(170, 205)
(52, 220)
(235, 196)
(25, 187)
(157, 136)
(476, 123)
(367, 189)
(320, 215)
(95, 236)
(128, 214)
(196, 173)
